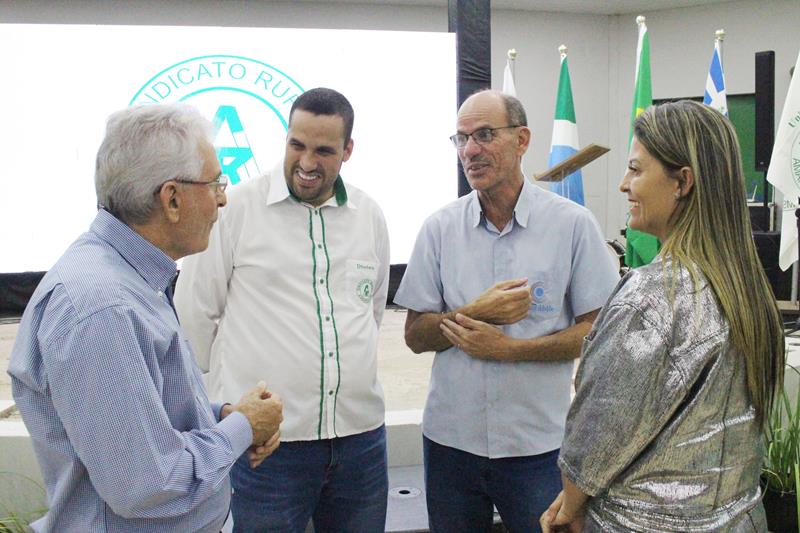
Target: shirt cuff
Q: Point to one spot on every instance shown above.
(216, 408)
(237, 428)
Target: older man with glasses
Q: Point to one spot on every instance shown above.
(101, 372)
(503, 284)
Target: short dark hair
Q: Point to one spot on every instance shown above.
(324, 101)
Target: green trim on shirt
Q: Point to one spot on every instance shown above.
(319, 321)
(333, 317)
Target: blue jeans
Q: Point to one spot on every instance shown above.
(341, 483)
(461, 489)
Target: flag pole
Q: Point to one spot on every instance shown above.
(720, 36)
(512, 57)
(564, 184)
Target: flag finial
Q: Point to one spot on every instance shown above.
(512, 54)
(720, 34)
(640, 20)
(562, 49)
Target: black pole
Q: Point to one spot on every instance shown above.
(470, 21)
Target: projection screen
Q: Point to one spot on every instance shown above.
(62, 81)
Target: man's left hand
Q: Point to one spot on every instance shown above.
(476, 338)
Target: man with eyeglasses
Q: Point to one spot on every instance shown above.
(101, 372)
(294, 284)
(503, 284)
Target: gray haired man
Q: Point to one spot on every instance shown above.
(105, 380)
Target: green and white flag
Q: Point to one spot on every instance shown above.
(641, 247)
(784, 168)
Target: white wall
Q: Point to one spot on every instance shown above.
(601, 54)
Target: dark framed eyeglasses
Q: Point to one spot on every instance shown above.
(481, 136)
(219, 184)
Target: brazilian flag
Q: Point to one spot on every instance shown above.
(641, 247)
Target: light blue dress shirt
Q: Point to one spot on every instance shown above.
(506, 409)
(108, 389)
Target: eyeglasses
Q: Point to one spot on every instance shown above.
(481, 136)
(219, 184)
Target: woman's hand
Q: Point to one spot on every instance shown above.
(557, 520)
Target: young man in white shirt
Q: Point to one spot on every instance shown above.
(293, 287)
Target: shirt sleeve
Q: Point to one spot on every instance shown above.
(384, 258)
(202, 291)
(107, 393)
(421, 288)
(593, 275)
(627, 389)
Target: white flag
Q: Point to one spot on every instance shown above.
(784, 168)
(508, 80)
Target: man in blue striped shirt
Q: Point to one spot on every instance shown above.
(105, 380)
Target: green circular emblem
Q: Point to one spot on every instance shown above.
(364, 289)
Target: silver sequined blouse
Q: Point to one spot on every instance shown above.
(662, 434)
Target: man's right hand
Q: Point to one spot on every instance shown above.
(264, 411)
(506, 302)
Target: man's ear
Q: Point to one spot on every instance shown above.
(169, 198)
(524, 136)
(348, 150)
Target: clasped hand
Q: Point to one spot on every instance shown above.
(474, 329)
(264, 411)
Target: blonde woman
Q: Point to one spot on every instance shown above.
(679, 371)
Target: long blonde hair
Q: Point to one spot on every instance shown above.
(711, 232)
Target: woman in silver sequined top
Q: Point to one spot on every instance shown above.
(679, 371)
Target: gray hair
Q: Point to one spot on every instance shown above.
(145, 146)
(515, 112)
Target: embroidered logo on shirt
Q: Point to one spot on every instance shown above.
(364, 289)
(539, 298)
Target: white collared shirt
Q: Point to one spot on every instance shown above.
(292, 295)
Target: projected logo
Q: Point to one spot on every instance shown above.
(247, 100)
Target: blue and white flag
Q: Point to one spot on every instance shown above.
(565, 136)
(714, 95)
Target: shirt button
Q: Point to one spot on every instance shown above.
(327, 319)
(330, 354)
(316, 211)
(330, 393)
(321, 281)
(319, 246)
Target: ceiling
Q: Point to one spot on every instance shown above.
(597, 7)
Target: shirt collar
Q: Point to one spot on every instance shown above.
(155, 267)
(522, 211)
(279, 191)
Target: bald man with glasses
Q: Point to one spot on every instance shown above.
(503, 283)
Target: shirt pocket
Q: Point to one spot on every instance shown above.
(360, 281)
(546, 297)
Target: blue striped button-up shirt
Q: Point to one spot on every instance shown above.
(106, 383)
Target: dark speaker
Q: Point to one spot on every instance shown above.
(765, 108)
